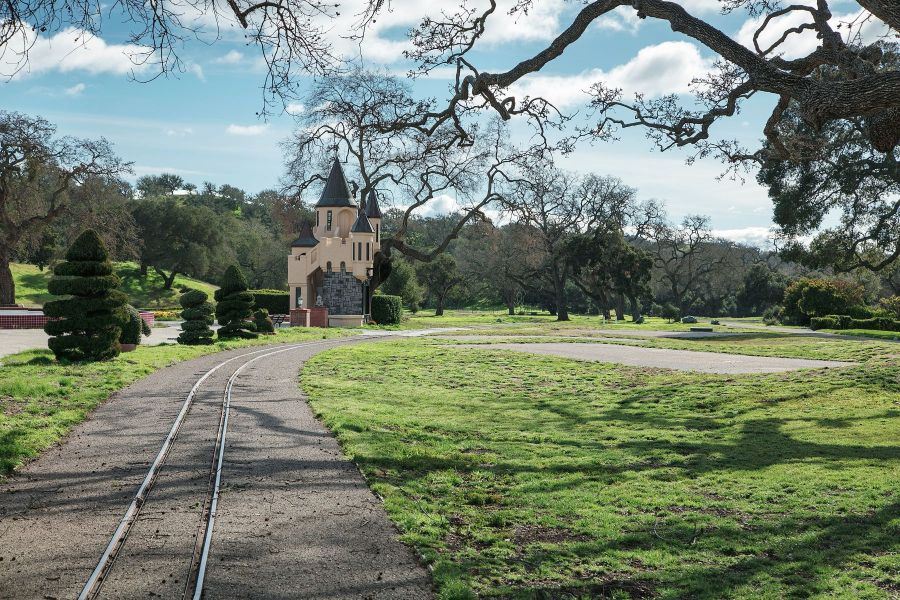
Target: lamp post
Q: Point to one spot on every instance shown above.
(367, 309)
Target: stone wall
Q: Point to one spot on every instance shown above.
(342, 293)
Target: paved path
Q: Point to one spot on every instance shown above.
(295, 519)
(17, 340)
(681, 360)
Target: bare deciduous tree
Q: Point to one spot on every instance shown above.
(37, 170)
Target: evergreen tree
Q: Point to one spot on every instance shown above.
(87, 325)
(234, 306)
(198, 316)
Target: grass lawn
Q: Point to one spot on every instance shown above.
(872, 333)
(520, 476)
(41, 400)
(752, 344)
(146, 292)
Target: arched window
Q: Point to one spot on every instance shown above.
(343, 267)
(328, 266)
(328, 221)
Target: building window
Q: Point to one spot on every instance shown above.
(377, 227)
(317, 218)
(343, 267)
(299, 301)
(328, 221)
(367, 250)
(353, 247)
(328, 266)
(359, 250)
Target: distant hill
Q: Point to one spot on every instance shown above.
(146, 292)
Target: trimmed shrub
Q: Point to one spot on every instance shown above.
(88, 325)
(277, 302)
(262, 321)
(387, 310)
(810, 297)
(198, 316)
(134, 327)
(670, 312)
(234, 306)
(848, 322)
(891, 306)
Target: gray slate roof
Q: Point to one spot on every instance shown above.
(336, 192)
(306, 239)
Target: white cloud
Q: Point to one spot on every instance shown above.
(665, 68)
(294, 108)
(246, 130)
(75, 90)
(67, 51)
(625, 19)
(801, 44)
(180, 132)
(753, 236)
(197, 71)
(233, 57)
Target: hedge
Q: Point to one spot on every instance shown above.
(848, 322)
(277, 302)
(387, 310)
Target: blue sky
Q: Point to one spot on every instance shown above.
(203, 124)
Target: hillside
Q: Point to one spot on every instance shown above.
(146, 292)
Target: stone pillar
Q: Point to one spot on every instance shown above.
(299, 317)
(318, 316)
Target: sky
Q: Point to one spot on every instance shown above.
(204, 124)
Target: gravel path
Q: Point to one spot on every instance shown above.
(681, 360)
(296, 519)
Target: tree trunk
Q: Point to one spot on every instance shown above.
(439, 306)
(144, 267)
(635, 308)
(168, 280)
(620, 307)
(562, 311)
(511, 308)
(7, 283)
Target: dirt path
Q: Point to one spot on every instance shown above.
(295, 520)
(681, 360)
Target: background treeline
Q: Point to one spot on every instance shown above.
(171, 227)
(615, 257)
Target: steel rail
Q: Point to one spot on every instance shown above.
(92, 586)
(219, 462)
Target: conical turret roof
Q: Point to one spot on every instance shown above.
(373, 211)
(361, 225)
(306, 239)
(336, 192)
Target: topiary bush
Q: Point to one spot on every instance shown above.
(387, 310)
(277, 302)
(262, 322)
(198, 316)
(234, 306)
(134, 327)
(86, 326)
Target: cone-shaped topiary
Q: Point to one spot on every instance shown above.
(198, 316)
(234, 306)
(262, 321)
(136, 325)
(86, 326)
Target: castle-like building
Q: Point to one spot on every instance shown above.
(331, 264)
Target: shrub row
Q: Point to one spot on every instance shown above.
(387, 310)
(277, 302)
(848, 322)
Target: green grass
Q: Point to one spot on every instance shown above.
(752, 344)
(146, 292)
(519, 476)
(41, 400)
(872, 333)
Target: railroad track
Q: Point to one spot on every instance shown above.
(199, 560)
